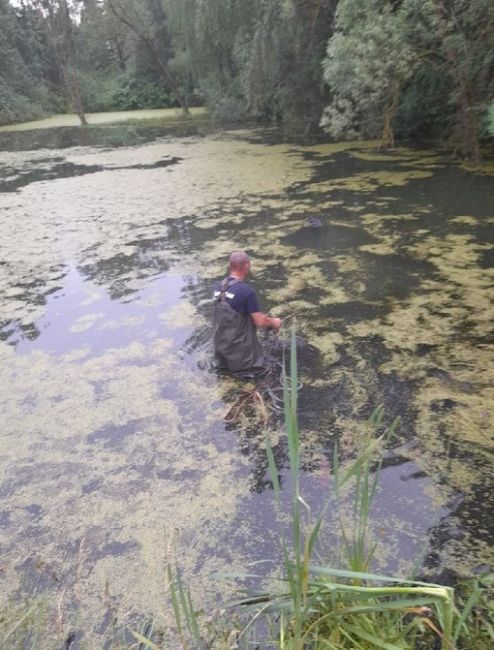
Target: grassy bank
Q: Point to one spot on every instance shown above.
(158, 115)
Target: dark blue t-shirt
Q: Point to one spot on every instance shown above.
(240, 296)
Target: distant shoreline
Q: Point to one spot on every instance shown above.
(94, 119)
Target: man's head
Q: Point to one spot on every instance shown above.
(239, 264)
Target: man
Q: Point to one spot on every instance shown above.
(236, 318)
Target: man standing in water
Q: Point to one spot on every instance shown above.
(236, 318)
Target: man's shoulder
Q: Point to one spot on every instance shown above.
(244, 286)
(233, 287)
(239, 285)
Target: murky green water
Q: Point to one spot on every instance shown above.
(115, 455)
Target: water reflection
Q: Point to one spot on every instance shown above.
(120, 135)
(86, 314)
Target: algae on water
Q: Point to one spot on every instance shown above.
(113, 437)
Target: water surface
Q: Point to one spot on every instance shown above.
(116, 457)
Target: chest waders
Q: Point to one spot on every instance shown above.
(235, 338)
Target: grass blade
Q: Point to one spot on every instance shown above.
(358, 575)
(377, 643)
(146, 642)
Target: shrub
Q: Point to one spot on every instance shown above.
(135, 93)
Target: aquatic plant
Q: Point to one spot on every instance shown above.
(326, 607)
(23, 624)
(316, 606)
(319, 606)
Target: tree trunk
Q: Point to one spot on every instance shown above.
(467, 117)
(387, 136)
(59, 35)
(120, 55)
(178, 95)
(74, 89)
(148, 42)
(469, 131)
(69, 68)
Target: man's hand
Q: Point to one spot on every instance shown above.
(276, 323)
(261, 320)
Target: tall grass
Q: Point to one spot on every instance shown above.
(351, 608)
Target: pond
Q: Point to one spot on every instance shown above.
(116, 456)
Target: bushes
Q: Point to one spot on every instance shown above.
(17, 107)
(98, 94)
(490, 120)
(133, 93)
(109, 93)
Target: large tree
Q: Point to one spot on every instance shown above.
(147, 20)
(257, 59)
(368, 61)
(385, 56)
(22, 93)
(57, 22)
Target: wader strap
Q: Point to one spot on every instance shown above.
(225, 285)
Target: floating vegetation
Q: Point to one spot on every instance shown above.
(345, 604)
(114, 418)
(370, 181)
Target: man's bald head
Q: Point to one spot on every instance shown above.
(239, 261)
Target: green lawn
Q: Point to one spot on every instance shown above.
(161, 114)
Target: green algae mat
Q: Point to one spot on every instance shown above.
(116, 458)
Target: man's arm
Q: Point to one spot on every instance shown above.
(261, 320)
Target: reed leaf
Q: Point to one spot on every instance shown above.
(371, 638)
(359, 575)
(145, 642)
(273, 471)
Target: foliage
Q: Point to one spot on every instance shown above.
(97, 92)
(204, 34)
(365, 74)
(418, 67)
(490, 123)
(325, 607)
(21, 96)
(116, 64)
(359, 68)
(321, 607)
(131, 93)
(259, 59)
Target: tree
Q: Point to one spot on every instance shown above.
(204, 34)
(465, 32)
(148, 22)
(491, 120)
(22, 95)
(258, 59)
(58, 26)
(385, 55)
(368, 60)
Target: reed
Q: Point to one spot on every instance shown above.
(350, 608)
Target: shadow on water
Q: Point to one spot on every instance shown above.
(119, 135)
(55, 169)
(330, 237)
